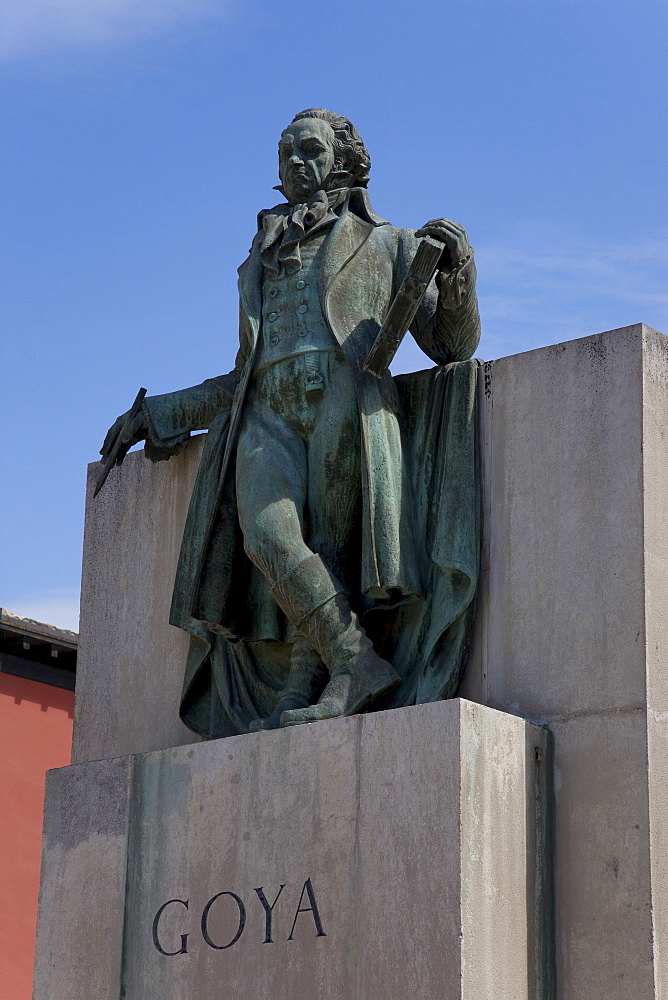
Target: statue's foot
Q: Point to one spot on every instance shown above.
(273, 721)
(367, 679)
(308, 677)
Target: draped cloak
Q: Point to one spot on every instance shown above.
(418, 564)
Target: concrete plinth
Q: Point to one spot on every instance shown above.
(131, 660)
(572, 632)
(371, 858)
(572, 628)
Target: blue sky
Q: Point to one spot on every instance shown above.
(139, 142)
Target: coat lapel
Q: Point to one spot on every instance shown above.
(250, 285)
(347, 236)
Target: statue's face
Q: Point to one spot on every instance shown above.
(305, 158)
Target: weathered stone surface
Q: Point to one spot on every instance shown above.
(412, 827)
(603, 888)
(131, 660)
(571, 631)
(562, 612)
(470, 943)
(84, 866)
(655, 480)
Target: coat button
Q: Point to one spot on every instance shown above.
(303, 308)
(273, 292)
(272, 316)
(274, 341)
(301, 284)
(302, 333)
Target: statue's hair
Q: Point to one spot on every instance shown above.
(350, 152)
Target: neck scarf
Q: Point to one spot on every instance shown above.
(284, 231)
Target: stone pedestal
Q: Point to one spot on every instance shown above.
(131, 660)
(571, 628)
(572, 632)
(370, 858)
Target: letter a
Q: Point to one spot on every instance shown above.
(313, 908)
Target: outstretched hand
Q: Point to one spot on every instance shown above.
(136, 431)
(452, 234)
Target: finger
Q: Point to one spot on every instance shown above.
(456, 230)
(453, 230)
(458, 246)
(427, 228)
(446, 222)
(430, 229)
(451, 224)
(451, 241)
(108, 445)
(132, 433)
(111, 436)
(445, 225)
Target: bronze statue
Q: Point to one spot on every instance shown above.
(329, 561)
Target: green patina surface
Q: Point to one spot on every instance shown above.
(330, 558)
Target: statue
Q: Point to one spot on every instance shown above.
(330, 556)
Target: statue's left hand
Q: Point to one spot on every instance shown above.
(452, 234)
(137, 431)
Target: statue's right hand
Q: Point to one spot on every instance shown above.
(136, 431)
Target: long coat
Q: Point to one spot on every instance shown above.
(219, 597)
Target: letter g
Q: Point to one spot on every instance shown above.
(184, 937)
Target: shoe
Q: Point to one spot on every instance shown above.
(308, 676)
(367, 679)
(314, 601)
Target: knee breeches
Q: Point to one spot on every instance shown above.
(298, 466)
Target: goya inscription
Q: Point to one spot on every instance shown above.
(227, 897)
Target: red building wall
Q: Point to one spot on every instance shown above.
(35, 734)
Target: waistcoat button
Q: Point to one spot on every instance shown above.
(272, 316)
(303, 307)
(274, 341)
(301, 284)
(273, 292)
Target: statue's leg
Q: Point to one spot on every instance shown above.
(334, 471)
(271, 494)
(334, 516)
(306, 460)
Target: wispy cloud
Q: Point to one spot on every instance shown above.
(29, 26)
(58, 606)
(543, 286)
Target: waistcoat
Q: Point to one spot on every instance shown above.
(292, 318)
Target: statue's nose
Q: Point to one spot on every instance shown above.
(295, 159)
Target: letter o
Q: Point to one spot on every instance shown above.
(183, 950)
(205, 921)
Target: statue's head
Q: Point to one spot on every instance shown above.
(321, 150)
